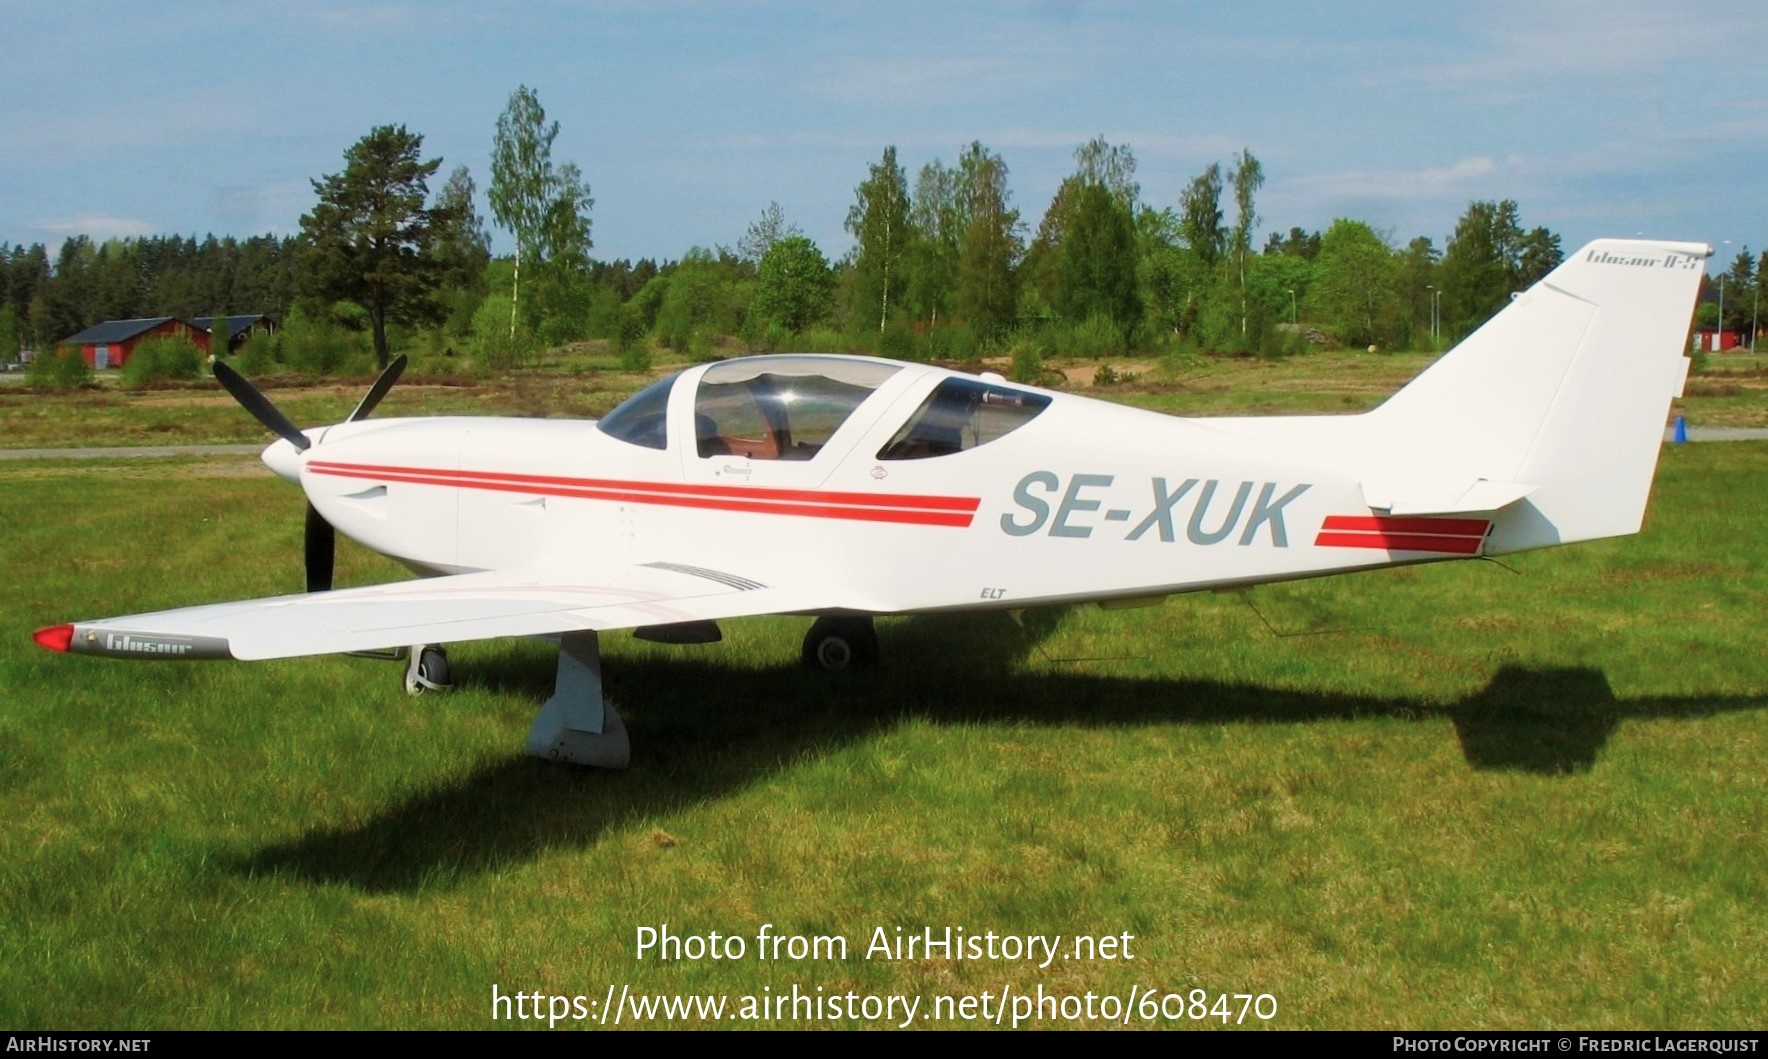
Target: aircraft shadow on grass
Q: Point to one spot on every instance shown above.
(701, 730)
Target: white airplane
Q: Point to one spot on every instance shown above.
(847, 487)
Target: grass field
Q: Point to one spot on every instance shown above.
(1446, 796)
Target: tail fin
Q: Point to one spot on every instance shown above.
(1559, 401)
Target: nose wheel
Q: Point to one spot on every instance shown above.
(838, 642)
(427, 670)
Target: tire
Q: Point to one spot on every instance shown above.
(429, 672)
(837, 643)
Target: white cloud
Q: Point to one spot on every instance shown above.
(923, 81)
(948, 144)
(96, 226)
(135, 123)
(1525, 42)
(1462, 178)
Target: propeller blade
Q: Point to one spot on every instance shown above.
(260, 407)
(321, 546)
(379, 389)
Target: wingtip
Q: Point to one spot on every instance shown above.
(54, 637)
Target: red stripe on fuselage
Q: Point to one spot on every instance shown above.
(1451, 536)
(865, 507)
(940, 503)
(1454, 527)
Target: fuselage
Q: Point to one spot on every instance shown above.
(1063, 498)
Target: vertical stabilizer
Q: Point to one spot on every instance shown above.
(1560, 399)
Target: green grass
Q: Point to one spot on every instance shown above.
(1445, 796)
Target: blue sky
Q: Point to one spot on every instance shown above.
(1600, 117)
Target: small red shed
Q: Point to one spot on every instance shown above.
(1716, 341)
(108, 345)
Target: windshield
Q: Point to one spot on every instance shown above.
(641, 418)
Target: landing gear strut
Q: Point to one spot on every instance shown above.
(841, 641)
(577, 724)
(426, 669)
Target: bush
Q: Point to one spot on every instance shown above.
(764, 337)
(648, 302)
(635, 354)
(1182, 357)
(439, 342)
(161, 358)
(457, 311)
(1271, 343)
(822, 340)
(318, 346)
(897, 343)
(952, 342)
(603, 319)
(630, 340)
(41, 372)
(561, 307)
(71, 371)
(636, 357)
(261, 355)
(1096, 336)
(674, 332)
(1027, 361)
(493, 344)
(59, 370)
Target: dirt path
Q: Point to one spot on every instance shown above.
(130, 452)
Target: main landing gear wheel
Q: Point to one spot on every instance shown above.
(841, 642)
(427, 670)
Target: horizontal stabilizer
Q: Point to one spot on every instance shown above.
(1457, 497)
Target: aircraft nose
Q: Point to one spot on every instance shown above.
(284, 459)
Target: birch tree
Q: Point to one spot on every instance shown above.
(522, 178)
(879, 221)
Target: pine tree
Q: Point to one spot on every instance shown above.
(369, 238)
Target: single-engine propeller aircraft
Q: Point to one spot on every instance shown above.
(847, 487)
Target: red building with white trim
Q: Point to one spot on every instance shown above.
(1714, 340)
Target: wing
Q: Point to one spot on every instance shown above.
(450, 609)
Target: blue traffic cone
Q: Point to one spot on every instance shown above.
(1680, 435)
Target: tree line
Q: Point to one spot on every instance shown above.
(942, 266)
(43, 301)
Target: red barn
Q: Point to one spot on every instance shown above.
(108, 345)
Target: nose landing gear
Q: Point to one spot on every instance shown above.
(426, 669)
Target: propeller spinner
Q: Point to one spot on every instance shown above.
(321, 540)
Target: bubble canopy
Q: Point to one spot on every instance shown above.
(769, 408)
